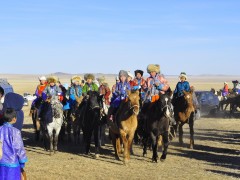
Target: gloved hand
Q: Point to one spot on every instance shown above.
(135, 88)
(160, 86)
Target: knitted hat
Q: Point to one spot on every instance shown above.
(138, 71)
(76, 78)
(183, 74)
(123, 73)
(89, 76)
(52, 79)
(153, 68)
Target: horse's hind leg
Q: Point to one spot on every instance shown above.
(116, 144)
(56, 134)
(125, 145)
(154, 147)
(191, 123)
(165, 137)
(96, 141)
(51, 143)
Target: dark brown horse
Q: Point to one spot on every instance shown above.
(184, 113)
(126, 119)
(156, 117)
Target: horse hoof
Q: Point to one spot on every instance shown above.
(163, 157)
(154, 160)
(125, 162)
(191, 146)
(144, 154)
(97, 156)
(117, 158)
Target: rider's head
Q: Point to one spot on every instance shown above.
(130, 76)
(42, 80)
(138, 74)
(123, 75)
(183, 76)
(89, 78)
(52, 80)
(76, 80)
(101, 80)
(153, 69)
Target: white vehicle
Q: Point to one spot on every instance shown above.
(29, 97)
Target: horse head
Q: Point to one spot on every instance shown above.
(188, 97)
(133, 100)
(94, 100)
(165, 104)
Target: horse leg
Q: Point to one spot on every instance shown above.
(191, 123)
(145, 143)
(56, 139)
(180, 129)
(154, 147)
(96, 140)
(69, 127)
(165, 138)
(125, 145)
(116, 144)
(51, 142)
(130, 144)
(87, 141)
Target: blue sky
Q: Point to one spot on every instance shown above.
(79, 36)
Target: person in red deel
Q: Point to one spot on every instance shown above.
(225, 90)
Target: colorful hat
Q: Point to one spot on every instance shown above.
(138, 71)
(153, 68)
(52, 79)
(183, 74)
(89, 76)
(76, 78)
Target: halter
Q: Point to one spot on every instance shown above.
(167, 113)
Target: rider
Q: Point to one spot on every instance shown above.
(182, 85)
(40, 88)
(52, 90)
(75, 91)
(120, 94)
(155, 83)
(225, 90)
(132, 83)
(104, 89)
(89, 85)
(140, 82)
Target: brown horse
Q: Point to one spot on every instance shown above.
(184, 113)
(126, 119)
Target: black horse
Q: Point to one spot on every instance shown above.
(155, 119)
(90, 120)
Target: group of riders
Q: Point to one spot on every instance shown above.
(77, 93)
(226, 90)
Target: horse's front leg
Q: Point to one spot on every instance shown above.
(180, 129)
(154, 147)
(51, 142)
(191, 124)
(96, 141)
(56, 139)
(165, 137)
(125, 146)
(130, 141)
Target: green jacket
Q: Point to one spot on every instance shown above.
(90, 87)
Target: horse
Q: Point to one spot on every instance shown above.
(35, 116)
(126, 120)
(184, 113)
(156, 119)
(52, 120)
(90, 120)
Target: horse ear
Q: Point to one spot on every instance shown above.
(128, 92)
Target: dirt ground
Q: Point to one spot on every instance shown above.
(216, 154)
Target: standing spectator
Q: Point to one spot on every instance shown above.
(14, 155)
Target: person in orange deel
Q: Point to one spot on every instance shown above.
(155, 83)
(225, 90)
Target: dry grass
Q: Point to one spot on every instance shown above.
(216, 154)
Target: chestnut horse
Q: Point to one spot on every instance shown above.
(126, 119)
(184, 113)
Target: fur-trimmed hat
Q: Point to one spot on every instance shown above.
(138, 71)
(101, 79)
(52, 79)
(123, 73)
(117, 78)
(89, 76)
(183, 74)
(76, 78)
(153, 68)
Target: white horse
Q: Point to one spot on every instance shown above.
(53, 125)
